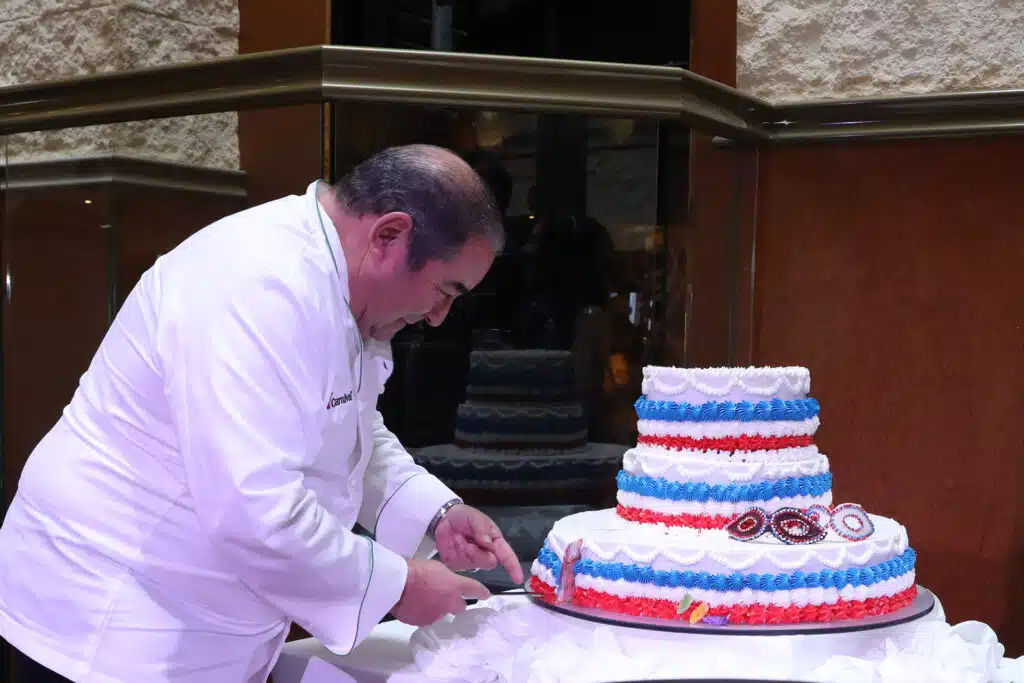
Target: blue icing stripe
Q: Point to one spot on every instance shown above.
(700, 492)
(722, 411)
(547, 558)
(826, 578)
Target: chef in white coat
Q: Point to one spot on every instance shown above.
(199, 492)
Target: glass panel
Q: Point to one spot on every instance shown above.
(89, 210)
(657, 33)
(5, 479)
(58, 240)
(583, 274)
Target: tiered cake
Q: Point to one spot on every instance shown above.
(725, 514)
(522, 426)
(521, 400)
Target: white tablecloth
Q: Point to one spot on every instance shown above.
(384, 652)
(878, 656)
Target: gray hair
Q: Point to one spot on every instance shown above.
(446, 200)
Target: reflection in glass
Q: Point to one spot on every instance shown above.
(5, 476)
(542, 362)
(85, 212)
(57, 246)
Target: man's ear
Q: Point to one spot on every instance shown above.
(389, 230)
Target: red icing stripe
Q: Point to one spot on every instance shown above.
(631, 514)
(748, 614)
(542, 589)
(738, 614)
(750, 442)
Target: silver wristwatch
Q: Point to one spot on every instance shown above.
(432, 527)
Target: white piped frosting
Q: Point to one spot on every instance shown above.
(700, 385)
(714, 467)
(608, 538)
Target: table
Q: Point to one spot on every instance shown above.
(387, 654)
(385, 651)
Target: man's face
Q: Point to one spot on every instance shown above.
(400, 297)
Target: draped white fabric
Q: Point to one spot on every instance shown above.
(508, 640)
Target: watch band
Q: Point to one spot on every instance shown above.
(432, 527)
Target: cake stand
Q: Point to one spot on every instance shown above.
(922, 605)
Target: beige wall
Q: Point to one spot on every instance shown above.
(50, 39)
(819, 49)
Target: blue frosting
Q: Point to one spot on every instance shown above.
(826, 578)
(721, 411)
(700, 492)
(548, 558)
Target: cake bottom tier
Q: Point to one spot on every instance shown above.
(707, 576)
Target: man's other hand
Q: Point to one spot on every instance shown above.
(433, 591)
(468, 539)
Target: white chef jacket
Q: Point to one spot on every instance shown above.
(199, 491)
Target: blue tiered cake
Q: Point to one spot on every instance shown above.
(521, 426)
(521, 400)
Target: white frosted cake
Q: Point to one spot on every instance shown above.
(725, 514)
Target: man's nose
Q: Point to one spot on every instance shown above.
(439, 312)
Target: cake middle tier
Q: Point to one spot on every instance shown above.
(700, 464)
(512, 426)
(645, 499)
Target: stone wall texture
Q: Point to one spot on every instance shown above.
(42, 40)
(823, 49)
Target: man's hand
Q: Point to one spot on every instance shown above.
(467, 539)
(433, 591)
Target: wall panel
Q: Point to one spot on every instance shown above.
(892, 270)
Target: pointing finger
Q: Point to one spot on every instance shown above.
(507, 557)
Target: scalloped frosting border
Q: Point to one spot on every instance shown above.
(758, 381)
(704, 466)
(784, 557)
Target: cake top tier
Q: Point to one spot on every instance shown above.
(700, 385)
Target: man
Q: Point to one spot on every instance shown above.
(199, 491)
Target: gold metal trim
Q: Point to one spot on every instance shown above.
(423, 78)
(535, 85)
(120, 170)
(270, 79)
(888, 131)
(995, 112)
(325, 73)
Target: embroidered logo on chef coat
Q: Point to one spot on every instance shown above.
(336, 401)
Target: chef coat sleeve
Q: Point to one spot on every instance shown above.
(245, 381)
(400, 498)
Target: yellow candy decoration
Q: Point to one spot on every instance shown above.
(700, 610)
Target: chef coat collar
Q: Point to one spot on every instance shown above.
(318, 214)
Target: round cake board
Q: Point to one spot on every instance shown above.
(922, 605)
